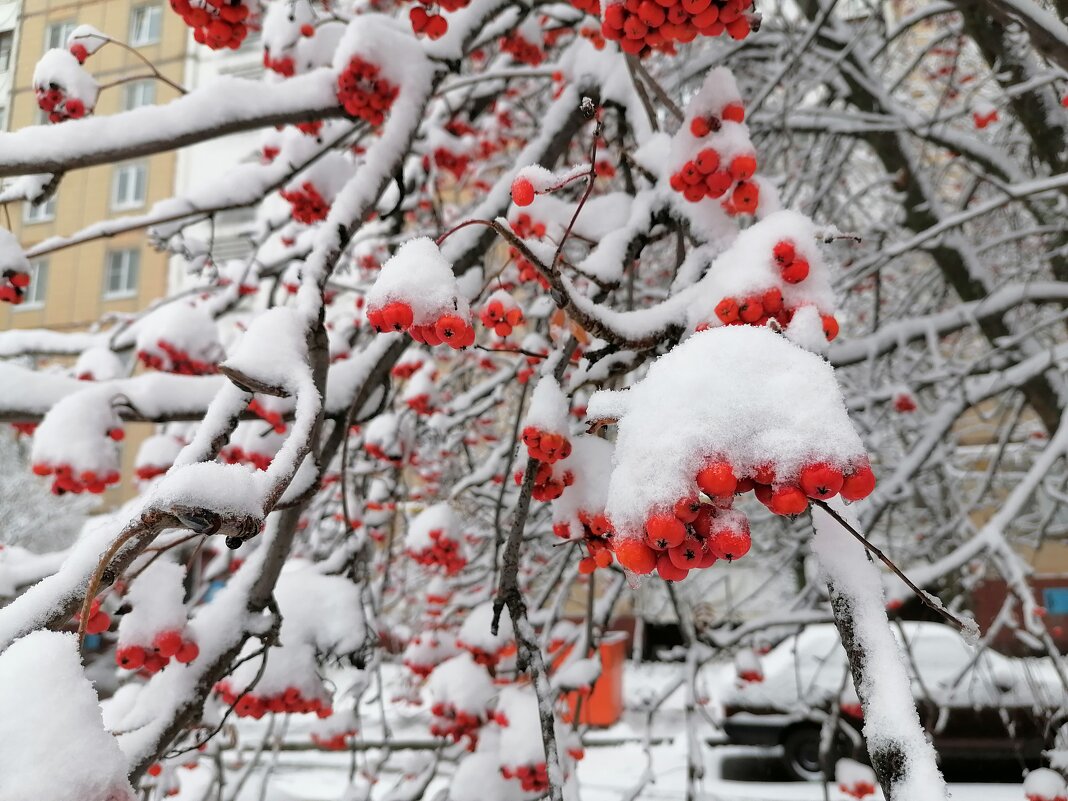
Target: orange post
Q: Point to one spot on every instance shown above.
(603, 704)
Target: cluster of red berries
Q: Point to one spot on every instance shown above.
(165, 646)
(444, 552)
(364, 93)
(235, 454)
(692, 537)
(546, 446)
(268, 415)
(216, 23)
(99, 621)
(378, 452)
(420, 404)
(146, 472)
(456, 163)
(178, 361)
(702, 126)
(695, 534)
(456, 724)
(449, 329)
(706, 177)
(486, 658)
(333, 742)
(641, 26)
(863, 788)
(66, 480)
(501, 318)
(524, 225)
(432, 25)
(904, 403)
(533, 778)
(527, 271)
(308, 205)
(982, 119)
(547, 485)
(13, 286)
(54, 101)
(600, 555)
(521, 49)
(750, 676)
(284, 66)
(256, 706)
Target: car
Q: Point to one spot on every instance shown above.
(972, 701)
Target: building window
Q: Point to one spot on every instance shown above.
(128, 186)
(35, 292)
(120, 277)
(137, 94)
(40, 212)
(7, 42)
(144, 25)
(57, 33)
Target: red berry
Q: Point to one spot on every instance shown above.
(743, 168)
(821, 480)
(688, 554)
(787, 500)
(733, 112)
(730, 543)
(188, 652)
(717, 479)
(687, 509)
(784, 252)
(667, 569)
(635, 556)
(664, 531)
(727, 311)
(858, 484)
(699, 127)
(795, 272)
(307, 29)
(522, 191)
(830, 326)
(168, 643)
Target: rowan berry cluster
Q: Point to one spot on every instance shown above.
(456, 163)
(546, 446)
(501, 314)
(284, 66)
(525, 226)
(363, 91)
(641, 26)
(532, 778)
(166, 645)
(99, 621)
(67, 479)
(705, 176)
(54, 101)
(456, 724)
(254, 706)
(450, 329)
(13, 286)
(308, 204)
(444, 552)
(548, 486)
(218, 24)
(522, 49)
(176, 361)
(333, 742)
(272, 416)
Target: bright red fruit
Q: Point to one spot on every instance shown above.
(858, 484)
(788, 500)
(821, 480)
(522, 191)
(717, 479)
(664, 531)
(635, 556)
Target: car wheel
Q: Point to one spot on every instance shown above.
(801, 753)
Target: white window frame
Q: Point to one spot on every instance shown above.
(34, 213)
(130, 199)
(65, 28)
(37, 290)
(129, 262)
(146, 29)
(138, 93)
